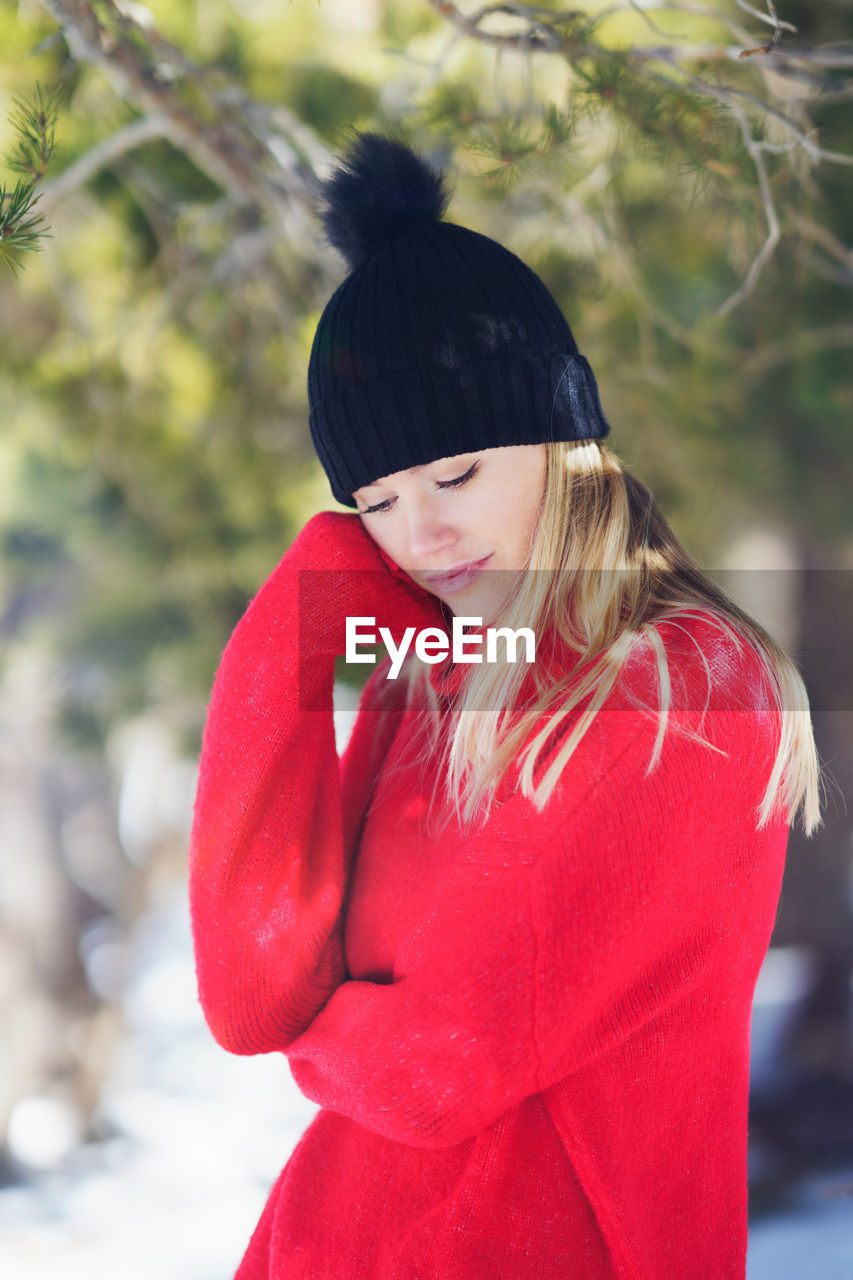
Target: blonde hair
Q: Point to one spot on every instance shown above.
(606, 569)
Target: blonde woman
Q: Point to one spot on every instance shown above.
(509, 942)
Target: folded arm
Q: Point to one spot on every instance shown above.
(550, 945)
(272, 839)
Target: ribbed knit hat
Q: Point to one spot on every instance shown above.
(440, 341)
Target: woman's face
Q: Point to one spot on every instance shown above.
(451, 523)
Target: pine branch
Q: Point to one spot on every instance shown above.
(260, 157)
(684, 100)
(35, 124)
(660, 93)
(21, 229)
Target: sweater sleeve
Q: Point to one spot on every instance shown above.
(273, 836)
(559, 934)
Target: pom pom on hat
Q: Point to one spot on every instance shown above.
(381, 190)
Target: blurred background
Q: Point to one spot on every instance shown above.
(682, 181)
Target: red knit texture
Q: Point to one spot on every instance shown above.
(530, 1042)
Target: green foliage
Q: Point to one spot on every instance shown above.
(155, 458)
(606, 78)
(453, 106)
(404, 23)
(22, 228)
(35, 124)
(327, 97)
(509, 147)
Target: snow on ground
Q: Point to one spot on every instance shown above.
(813, 1241)
(201, 1135)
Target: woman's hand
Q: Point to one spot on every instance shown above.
(343, 573)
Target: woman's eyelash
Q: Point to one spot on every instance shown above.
(456, 483)
(460, 480)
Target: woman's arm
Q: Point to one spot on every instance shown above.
(270, 850)
(563, 933)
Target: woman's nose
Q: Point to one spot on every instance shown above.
(429, 531)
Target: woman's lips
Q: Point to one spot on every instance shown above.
(457, 578)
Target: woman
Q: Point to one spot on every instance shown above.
(509, 945)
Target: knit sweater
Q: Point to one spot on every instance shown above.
(529, 1040)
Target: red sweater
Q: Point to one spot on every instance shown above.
(530, 1042)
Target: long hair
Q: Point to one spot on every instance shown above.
(605, 568)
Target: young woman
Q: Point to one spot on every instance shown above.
(509, 942)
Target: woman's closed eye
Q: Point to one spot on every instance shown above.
(455, 483)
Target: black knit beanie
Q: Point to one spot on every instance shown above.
(440, 341)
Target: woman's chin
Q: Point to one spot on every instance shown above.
(476, 602)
